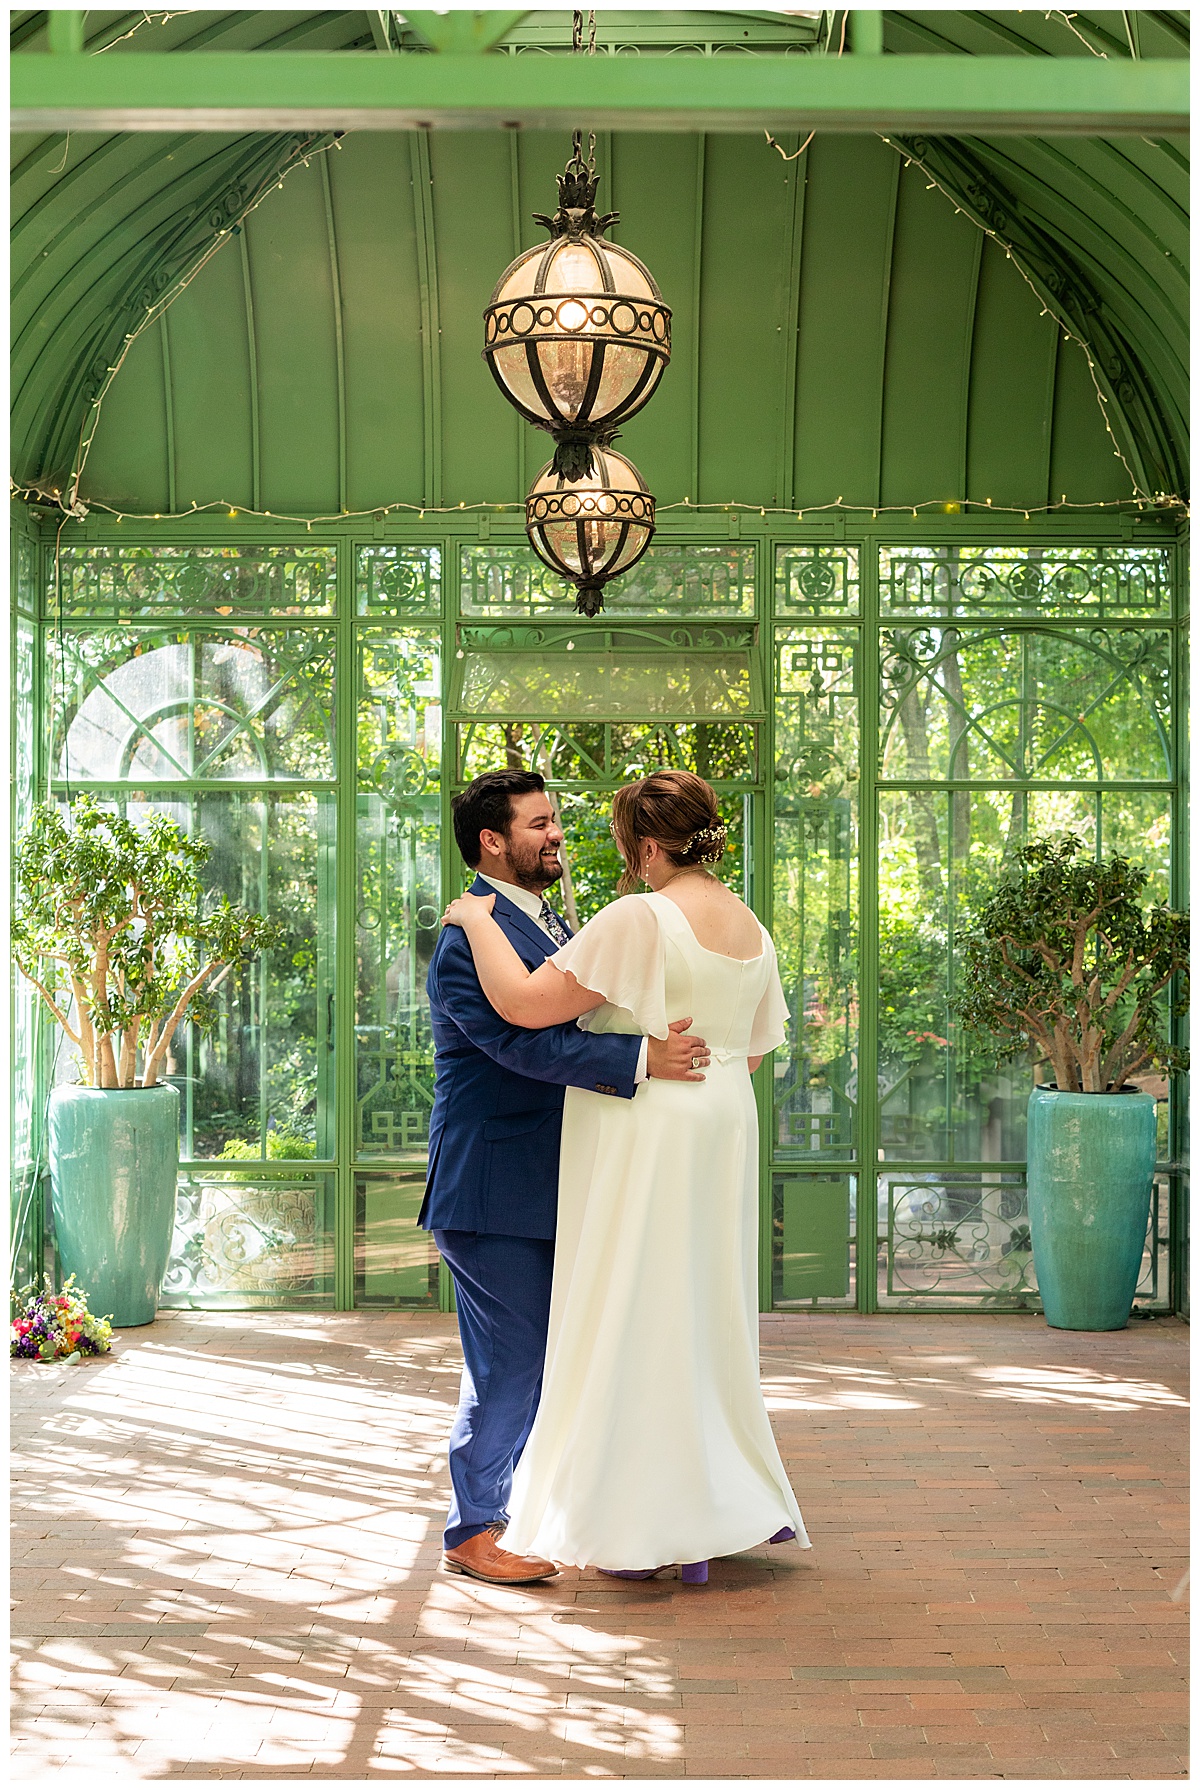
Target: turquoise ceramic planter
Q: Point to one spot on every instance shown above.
(1091, 1167)
(114, 1153)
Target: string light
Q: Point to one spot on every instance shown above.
(159, 305)
(379, 512)
(1138, 492)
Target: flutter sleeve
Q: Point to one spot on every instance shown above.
(620, 954)
(771, 1020)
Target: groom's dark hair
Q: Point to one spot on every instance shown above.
(487, 802)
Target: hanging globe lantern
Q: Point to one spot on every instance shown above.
(593, 528)
(576, 334)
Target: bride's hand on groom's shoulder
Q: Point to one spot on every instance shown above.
(466, 908)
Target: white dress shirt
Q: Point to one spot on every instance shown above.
(531, 904)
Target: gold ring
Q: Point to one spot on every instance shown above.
(697, 1062)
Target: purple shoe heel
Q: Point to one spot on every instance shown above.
(783, 1535)
(696, 1573)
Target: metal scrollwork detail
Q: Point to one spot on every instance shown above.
(402, 777)
(250, 1239)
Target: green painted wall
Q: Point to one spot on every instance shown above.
(839, 332)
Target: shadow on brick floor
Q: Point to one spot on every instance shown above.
(226, 1565)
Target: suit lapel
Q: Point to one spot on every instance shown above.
(509, 915)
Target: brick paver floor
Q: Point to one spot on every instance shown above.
(227, 1566)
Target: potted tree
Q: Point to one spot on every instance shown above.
(113, 928)
(1067, 962)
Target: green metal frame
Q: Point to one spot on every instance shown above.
(353, 90)
(766, 533)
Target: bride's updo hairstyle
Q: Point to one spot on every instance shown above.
(675, 809)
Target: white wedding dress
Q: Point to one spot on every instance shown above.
(652, 1443)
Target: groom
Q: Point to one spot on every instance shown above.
(492, 1196)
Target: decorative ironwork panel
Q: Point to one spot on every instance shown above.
(816, 581)
(963, 1237)
(1072, 582)
(813, 1238)
(398, 581)
(398, 887)
(956, 1236)
(129, 582)
(248, 704)
(1025, 705)
(670, 580)
(395, 1263)
(251, 1243)
(816, 890)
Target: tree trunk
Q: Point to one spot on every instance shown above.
(925, 832)
(568, 888)
(514, 757)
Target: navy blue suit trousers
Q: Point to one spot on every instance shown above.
(503, 1296)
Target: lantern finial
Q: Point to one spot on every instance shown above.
(576, 214)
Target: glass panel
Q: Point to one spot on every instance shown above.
(1024, 704)
(398, 887)
(586, 752)
(136, 581)
(398, 581)
(719, 754)
(251, 1244)
(941, 853)
(395, 1263)
(816, 580)
(24, 795)
(1099, 581)
(24, 1107)
(669, 580)
(816, 890)
(252, 703)
(813, 1240)
(628, 676)
(1154, 1279)
(25, 573)
(24, 725)
(259, 1085)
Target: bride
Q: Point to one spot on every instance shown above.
(652, 1444)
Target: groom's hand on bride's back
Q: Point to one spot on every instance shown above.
(678, 1056)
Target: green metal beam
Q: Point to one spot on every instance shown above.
(462, 33)
(64, 31)
(350, 90)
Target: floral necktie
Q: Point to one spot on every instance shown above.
(553, 924)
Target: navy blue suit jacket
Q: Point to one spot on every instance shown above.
(497, 1105)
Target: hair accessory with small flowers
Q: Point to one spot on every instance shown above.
(713, 854)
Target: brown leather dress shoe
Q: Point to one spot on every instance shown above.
(480, 1558)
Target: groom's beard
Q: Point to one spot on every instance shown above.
(534, 869)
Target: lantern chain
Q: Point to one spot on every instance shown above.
(577, 162)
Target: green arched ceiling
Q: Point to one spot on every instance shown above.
(843, 326)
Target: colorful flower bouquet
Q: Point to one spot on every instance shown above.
(50, 1326)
